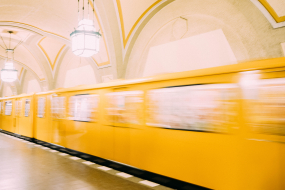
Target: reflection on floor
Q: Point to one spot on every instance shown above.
(27, 166)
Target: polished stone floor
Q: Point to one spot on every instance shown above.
(24, 166)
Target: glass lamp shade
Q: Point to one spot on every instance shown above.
(9, 74)
(85, 40)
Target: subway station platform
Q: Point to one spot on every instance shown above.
(28, 166)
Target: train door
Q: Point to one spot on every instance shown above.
(263, 107)
(106, 149)
(58, 113)
(124, 109)
(26, 121)
(1, 109)
(82, 130)
(8, 123)
(17, 110)
(42, 120)
(3, 116)
(14, 120)
(1, 113)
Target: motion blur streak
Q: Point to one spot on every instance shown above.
(221, 128)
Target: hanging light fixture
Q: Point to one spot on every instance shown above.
(9, 73)
(85, 40)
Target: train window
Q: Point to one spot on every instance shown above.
(41, 107)
(18, 107)
(124, 107)
(27, 107)
(58, 107)
(8, 107)
(83, 107)
(197, 107)
(266, 111)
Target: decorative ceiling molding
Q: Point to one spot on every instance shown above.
(127, 37)
(269, 13)
(59, 52)
(33, 29)
(19, 76)
(272, 11)
(22, 75)
(100, 65)
(52, 64)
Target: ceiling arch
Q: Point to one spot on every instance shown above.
(51, 25)
(123, 25)
(273, 10)
(247, 31)
(132, 13)
(276, 8)
(22, 56)
(52, 49)
(130, 17)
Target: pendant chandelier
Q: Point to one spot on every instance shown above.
(85, 40)
(9, 73)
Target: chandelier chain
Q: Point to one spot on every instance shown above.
(83, 10)
(10, 40)
(3, 42)
(93, 10)
(78, 11)
(88, 8)
(2, 47)
(20, 42)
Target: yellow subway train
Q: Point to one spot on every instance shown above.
(221, 128)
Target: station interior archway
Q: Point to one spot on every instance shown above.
(139, 38)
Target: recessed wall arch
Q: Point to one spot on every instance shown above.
(138, 27)
(32, 56)
(77, 62)
(251, 34)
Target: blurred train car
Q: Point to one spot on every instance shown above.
(221, 128)
(17, 114)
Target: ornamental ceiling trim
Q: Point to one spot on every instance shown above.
(272, 11)
(268, 15)
(124, 37)
(52, 64)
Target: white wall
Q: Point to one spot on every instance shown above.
(244, 28)
(210, 49)
(30, 84)
(75, 70)
(33, 86)
(7, 91)
(79, 76)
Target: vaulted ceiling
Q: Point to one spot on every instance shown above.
(45, 27)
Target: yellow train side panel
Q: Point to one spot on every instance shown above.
(236, 159)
